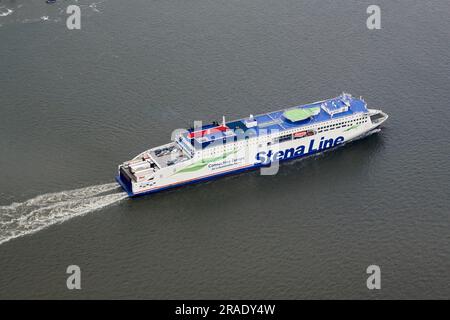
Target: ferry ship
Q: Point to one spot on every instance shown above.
(210, 151)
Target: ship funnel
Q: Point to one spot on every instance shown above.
(223, 120)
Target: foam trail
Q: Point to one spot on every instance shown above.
(7, 13)
(19, 219)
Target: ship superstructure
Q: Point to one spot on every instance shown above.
(213, 150)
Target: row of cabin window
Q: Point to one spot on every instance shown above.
(328, 126)
(342, 124)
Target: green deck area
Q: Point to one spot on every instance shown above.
(299, 114)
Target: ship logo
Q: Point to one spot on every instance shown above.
(204, 162)
(323, 144)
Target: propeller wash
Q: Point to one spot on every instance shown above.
(32, 215)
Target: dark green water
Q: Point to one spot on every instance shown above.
(76, 103)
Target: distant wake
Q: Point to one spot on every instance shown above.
(32, 215)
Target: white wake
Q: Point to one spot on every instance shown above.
(19, 219)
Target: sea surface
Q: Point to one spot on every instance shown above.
(76, 103)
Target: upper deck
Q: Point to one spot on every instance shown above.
(276, 121)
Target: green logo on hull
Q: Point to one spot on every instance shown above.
(352, 127)
(204, 162)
